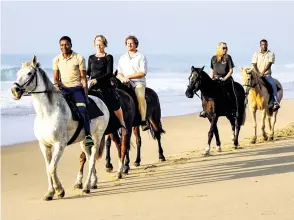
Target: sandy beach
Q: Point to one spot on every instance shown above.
(255, 182)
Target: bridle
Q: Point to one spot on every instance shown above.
(28, 82)
(190, 86)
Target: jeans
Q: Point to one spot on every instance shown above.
(78, 95)
(271, 81)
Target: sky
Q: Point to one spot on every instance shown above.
(162, 27)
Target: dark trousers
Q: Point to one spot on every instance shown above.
(78, 95)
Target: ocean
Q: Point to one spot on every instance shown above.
(167, 75)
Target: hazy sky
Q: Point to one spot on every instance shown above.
(162, 27)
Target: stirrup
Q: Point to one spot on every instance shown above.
(202, 114)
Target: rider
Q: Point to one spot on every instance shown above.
(221, 68)
(132, 66)
(262, 62)
(100, 71)
(70, 77)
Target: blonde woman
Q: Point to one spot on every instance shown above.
(100, 71)
(221, 68)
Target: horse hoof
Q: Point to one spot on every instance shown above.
(253, 141)
(218, 149)
(270, 139)
(94, 187)
(119, 176)
(87, 191)
(78, 186)
(137, 164)
(48, 198)
(206, 154)
(162, 159)
(61, 194)
(109, 170)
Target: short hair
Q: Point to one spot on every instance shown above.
(263, 40)
(103, 39)
(66, 38)
(132, 37)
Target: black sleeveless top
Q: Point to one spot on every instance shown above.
(101, 69)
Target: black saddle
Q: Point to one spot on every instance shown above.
(93, 110)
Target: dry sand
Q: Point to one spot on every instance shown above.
(256, 182)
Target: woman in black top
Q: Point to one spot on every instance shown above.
(221, 68)
(100, 71)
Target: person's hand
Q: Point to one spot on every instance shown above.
(125, 80)
(57, 85)
(92, 82)
(221, 79)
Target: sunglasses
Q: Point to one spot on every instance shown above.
(225, 48)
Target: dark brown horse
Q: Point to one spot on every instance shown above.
(122, 143)
(153, 120)
(216, 102)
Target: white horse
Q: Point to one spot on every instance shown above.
(54, 125)
(259, 99)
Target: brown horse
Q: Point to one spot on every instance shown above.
(123, 143)
(259, 99)
(153, 120)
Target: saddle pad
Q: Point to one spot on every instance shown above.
(93, 110)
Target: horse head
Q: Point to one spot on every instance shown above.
(248, 79)
(30, 79)
(194, 81)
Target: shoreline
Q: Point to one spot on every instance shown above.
(195, 114)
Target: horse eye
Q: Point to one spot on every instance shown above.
(30, 73)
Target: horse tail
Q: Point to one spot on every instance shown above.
(101, 148)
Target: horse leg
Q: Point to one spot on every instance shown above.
(91, 157)
(263, 115)
(136, 131)
(233, 125)
(122, 154)
(57, 153)
(127, 160)
(158, 138)
(253, 116)
(94, 178)
(108, 165)
(213, 121)
(217, 139)
(79, 181)
(47, 153)
(272, 126)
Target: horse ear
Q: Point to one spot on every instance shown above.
(115, 73)
(192, 68)
(202, 68)
(35, 61)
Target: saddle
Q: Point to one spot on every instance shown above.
(269, 88)
(93, 110)
(113, 123)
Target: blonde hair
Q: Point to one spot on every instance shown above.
(219, 50)
(103, 39)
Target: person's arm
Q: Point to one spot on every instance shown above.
(56, 73)
(82, 68)
(89, 70)
(143, 70)
(231, 65)
(211, 69)
(254, 63)
(120, 74)
(268, 66)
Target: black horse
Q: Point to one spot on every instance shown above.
(153, 117)
(216, 102)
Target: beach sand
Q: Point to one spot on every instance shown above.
(251, 183)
